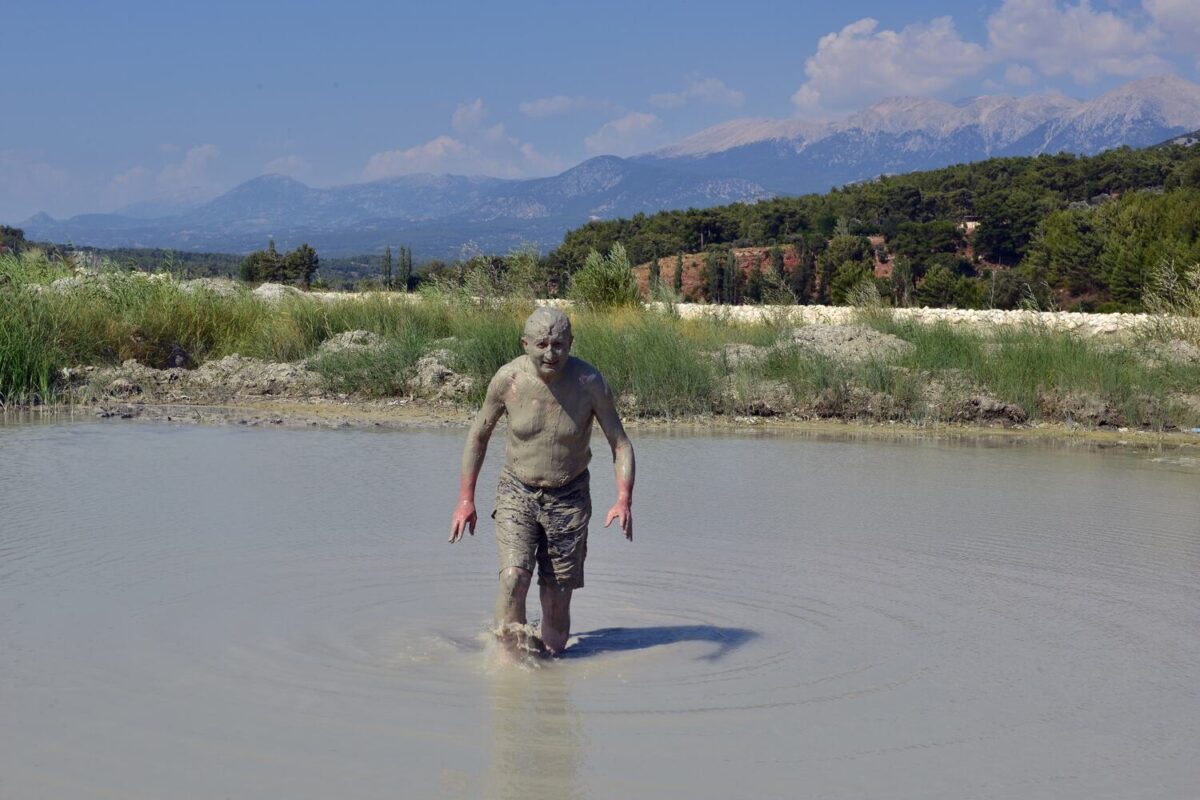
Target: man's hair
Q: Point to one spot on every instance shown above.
(547, 320)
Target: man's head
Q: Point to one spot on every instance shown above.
(547, 341)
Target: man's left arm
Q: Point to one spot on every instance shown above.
(623, 463)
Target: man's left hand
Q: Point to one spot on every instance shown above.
(623, 511)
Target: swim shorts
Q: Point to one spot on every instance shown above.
(544, 526)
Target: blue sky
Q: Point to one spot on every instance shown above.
(110, 104)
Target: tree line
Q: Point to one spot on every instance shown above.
(992, 233)
(297, 266)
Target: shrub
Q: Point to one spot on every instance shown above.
(605, 281)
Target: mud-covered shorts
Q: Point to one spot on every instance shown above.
(544, 526)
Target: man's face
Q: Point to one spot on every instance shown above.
(548, 349)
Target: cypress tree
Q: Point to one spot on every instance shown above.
(387, 267)
(803, 277)
(714, 277)
(405, 267)
(777, 262)
(754, 286)
(654, 277)
(677, 278)
(733, 279)
(271, 265)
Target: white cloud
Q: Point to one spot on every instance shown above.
(861, 63)
(432, 156)
(475, 149)
(191, 176)
(1179, 20)
(291, 165)
(191, 171)
(561, 104)
(632, 133)
(30, 185)
(468, 116)
(1073, 40)
(1018, 75)
(709, 91)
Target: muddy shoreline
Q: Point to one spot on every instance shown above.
(411, 414)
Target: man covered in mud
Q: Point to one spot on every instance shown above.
(543, 504)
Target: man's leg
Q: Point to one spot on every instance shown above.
(510, 602)
(556, 617)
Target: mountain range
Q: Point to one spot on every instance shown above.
(737, 161)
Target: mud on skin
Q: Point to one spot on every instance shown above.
(550, 399)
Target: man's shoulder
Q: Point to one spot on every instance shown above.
(587, 375)
(508, 373)
(512, 366)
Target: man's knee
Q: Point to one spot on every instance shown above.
(555, 593)
(514, 580)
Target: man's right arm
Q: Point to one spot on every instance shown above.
(465, 518)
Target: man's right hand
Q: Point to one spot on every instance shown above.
(463, 521)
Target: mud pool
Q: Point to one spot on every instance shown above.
(199, 612)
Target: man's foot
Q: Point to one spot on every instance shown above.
(518, 641)
(536, 647)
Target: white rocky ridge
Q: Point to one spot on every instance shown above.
(738, 132)
(1000, 120)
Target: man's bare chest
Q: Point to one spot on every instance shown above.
(538, 411)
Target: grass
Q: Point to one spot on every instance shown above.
(657, 363)
(1047, 373)
(373, 372)
(649, 359)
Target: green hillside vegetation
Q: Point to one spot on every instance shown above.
(146, 259)
(1052, 231)
(368, 272)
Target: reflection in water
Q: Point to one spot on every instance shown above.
(537, 736)
(615, 640)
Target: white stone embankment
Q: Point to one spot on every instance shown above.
(1078, 322)
(1084, 324)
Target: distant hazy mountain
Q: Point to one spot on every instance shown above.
(437, 215)
(168, 205)
(742, 160)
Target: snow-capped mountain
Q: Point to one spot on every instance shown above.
(902, 134)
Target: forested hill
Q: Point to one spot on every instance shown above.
(1084, 230)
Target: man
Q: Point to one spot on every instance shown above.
(543, 503)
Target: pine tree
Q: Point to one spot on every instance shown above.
(677, 278)
(387, 267)
(300, 265)
(249, 270)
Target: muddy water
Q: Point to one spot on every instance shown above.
(215, 612)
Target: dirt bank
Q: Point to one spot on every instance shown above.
(422, 415)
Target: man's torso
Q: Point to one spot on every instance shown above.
(550, 424)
